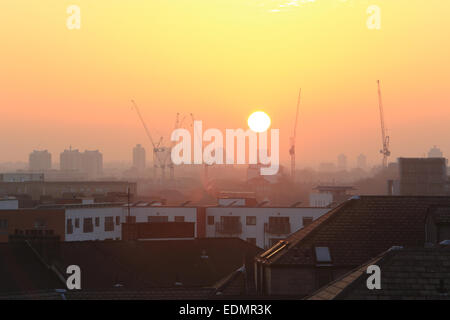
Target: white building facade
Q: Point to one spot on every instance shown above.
(262, 226)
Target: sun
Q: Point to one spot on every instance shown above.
(259, 121)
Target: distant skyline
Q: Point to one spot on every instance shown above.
(351, 163)
(222, 60)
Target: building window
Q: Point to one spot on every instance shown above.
(157, 219)
(229, 225)
(40, 224)
(97, 221)
(117, 220)
(251, 221)
(278, 226)
(252, 240)
(87, 225)
(323, 254)
(179, 219)
(69, 226)
(109, 224)
(210, 220)
(307, 221)
(77, 222)
(3, 224)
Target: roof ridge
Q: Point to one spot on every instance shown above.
(358, 272)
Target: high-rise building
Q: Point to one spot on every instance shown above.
(40, 160)
(89, 162)
(342, 162)
(70, 160)
(361, 162)
(435, 152)
(92, 163)
(139, 157)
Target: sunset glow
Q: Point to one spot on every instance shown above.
(217, 59)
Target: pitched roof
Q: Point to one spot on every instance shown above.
(21, 270)
(122, 269)
(411, 273)
(358, 230)
(141, 265)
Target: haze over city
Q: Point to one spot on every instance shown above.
(225, 155)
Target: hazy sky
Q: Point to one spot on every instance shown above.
(221, 60)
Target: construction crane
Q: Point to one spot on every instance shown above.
(158, 161)
(384, 138)
(293, 138)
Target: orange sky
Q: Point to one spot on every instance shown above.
(221, 60)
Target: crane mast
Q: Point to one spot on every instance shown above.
(384, 138)
(157, 161)
(293, 138)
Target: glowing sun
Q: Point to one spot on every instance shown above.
(259, 121)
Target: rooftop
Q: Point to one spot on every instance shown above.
(21, 270)
(152, 269)
(79, 205)
(358, 230)
(412, 273)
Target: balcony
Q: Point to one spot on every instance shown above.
(229, 227)
(277, 228)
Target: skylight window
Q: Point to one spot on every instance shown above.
(323, 254)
